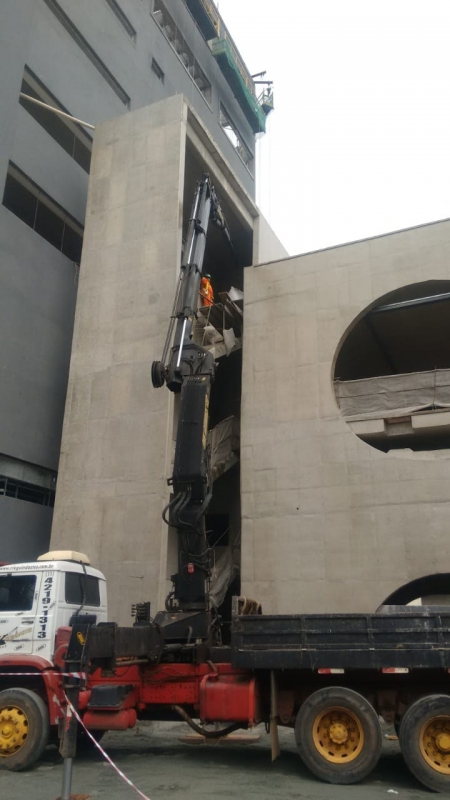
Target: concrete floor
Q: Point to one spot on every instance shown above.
(154, 759)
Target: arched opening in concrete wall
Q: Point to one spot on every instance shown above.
(392, 371)
(428, 590)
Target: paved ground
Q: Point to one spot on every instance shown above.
(162, 767)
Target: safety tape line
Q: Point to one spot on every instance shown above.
(81, 675)
(104, 754)
(71, 710)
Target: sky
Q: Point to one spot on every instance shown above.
(359, 141)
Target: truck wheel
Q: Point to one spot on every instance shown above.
(425, 741)
(338, 735)
(24, 728)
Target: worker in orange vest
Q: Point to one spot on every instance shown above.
(206, 291)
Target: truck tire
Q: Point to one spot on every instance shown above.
(338, 735)
(24, 728)
(425, 740)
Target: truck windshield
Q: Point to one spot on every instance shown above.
(17, 592)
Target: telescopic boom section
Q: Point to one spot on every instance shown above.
(191, 269)
(190, 371)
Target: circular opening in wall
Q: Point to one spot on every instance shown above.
(392, 370)
(428, 590)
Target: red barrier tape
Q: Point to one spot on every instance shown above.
(104, 754)
(82, 676)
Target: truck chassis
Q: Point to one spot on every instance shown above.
(328, 677)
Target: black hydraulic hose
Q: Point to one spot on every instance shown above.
(172, 506)
(207, 734)
(178, 504)
(192, 526)
(168, 601)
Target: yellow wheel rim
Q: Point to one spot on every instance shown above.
(434, 741)
(13, 730)
(338, 735)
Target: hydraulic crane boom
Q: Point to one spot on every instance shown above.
(190, 371)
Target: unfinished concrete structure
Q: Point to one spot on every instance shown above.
(342, 487)
(339, 511)
(118, 431)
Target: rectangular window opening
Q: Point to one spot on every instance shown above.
(69, 135)
(183, 51)
(234, 136)
(41, 213)
(157, 70)
(122, 17)
(20, 490)
(89, 52)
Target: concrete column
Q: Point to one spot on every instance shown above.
(116, 445)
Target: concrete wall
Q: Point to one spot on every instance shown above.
(38, 289)
(266, 245)
(329, 523)
(111, 487)
(27, 525)
(37, 284)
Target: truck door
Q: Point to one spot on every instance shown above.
(79, 592)
(19, 597)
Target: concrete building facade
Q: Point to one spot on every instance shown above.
(96, 61)
(341, 490)
(342, 507)
(118, 436)
(340, 494)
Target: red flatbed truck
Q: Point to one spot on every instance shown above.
(328, 677)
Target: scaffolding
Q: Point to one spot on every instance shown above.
(231, 64)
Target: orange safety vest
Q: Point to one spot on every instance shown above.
(206, 292)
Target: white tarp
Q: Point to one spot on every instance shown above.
(223, 573)
(224, 441)
(394, 395)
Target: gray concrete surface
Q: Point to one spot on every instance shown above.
(27, 525)
(111, 488)
(330, 524)
(162, 767)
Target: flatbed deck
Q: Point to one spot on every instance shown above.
(411, 638)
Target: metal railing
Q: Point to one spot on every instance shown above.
(222, 33)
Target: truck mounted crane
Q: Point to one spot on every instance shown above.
(329, 677)
(189, 372)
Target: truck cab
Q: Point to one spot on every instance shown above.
(38, 598)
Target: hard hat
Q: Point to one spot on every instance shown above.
(207, 276)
